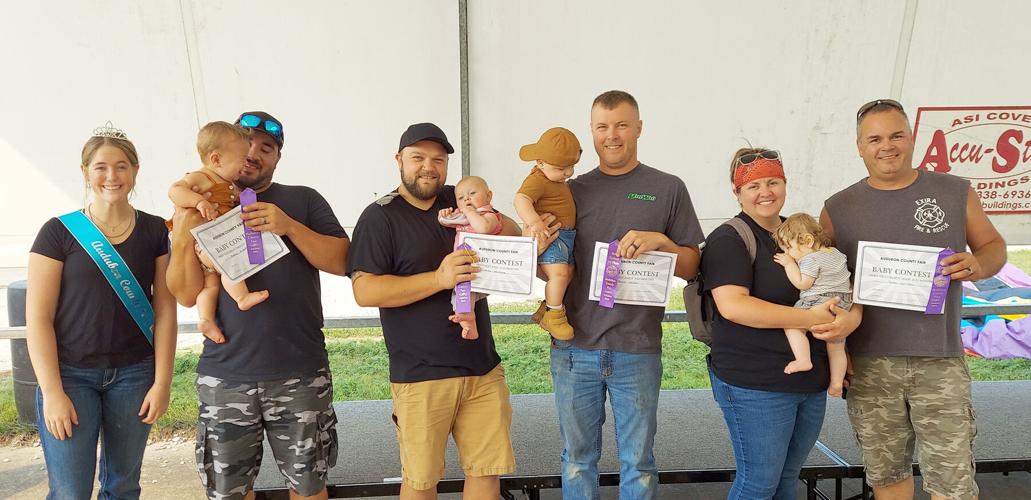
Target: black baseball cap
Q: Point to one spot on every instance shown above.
(260, 120)
(424, 132)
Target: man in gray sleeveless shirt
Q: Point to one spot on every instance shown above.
(911, 382)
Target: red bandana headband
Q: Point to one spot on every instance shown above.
(758, 169)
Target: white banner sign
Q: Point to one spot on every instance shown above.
(990, 146)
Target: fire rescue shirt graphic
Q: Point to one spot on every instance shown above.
(930, 218)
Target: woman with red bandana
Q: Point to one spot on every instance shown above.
(773, 418)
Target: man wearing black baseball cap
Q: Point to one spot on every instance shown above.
(424, 132)
(277, 345)
(401, 261)
(267, 138)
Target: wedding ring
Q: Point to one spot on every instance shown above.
(265, 220)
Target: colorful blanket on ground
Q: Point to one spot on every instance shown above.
(999, 337)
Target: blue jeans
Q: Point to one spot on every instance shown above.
(107, 403)
(772, 434)
(559, 251)
(582, 380)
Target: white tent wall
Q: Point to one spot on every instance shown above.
(346, 77)
(69, 67)
(711, 77)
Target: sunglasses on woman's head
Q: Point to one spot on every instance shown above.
(271, 126)
(870, 105)
(769, 154)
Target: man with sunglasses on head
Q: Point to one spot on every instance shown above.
(269, 370)
(911, 382)
(616, 353)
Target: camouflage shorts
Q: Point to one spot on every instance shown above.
(896, 402)
(296, 413)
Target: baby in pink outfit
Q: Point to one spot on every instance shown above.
(474, 214)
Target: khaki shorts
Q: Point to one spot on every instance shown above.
(476, 410)
(894, 402)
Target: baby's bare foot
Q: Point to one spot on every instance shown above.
(211, 330)
(835, 389)
(798, 365)
(251, 299)
(469, 331)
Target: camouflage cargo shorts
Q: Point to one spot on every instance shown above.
(895, 403)
(296, 413)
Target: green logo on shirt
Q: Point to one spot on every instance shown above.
(642, 197)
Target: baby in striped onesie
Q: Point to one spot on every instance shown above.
(819, 271)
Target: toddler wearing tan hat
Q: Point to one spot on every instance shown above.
(545, 191)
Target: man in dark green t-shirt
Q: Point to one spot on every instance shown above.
(616, 353)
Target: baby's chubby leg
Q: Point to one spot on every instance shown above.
(245, 299)
(207, 303)
(559, 276)
(838, 360)
(467, 320)
(800, 349)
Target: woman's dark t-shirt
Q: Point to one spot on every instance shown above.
(93, 328)
(748, 357)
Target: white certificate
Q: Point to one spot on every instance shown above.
(508, 264)
(644, 281)
(223, 241)
(894, 275)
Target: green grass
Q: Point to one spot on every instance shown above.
(1022, 260)
(358, 360)
(991, 369)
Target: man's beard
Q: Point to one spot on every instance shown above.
(419, 192)
(260, 179)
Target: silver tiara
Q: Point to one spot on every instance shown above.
(109, 130)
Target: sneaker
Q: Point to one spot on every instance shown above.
(554, 321)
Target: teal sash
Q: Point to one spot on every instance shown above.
(113, 267)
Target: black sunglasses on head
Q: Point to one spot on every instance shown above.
(769, 154)
(870, 105)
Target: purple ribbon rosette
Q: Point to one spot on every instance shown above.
(939, 285)
(610, 276)
(464, 290)
(252, 238)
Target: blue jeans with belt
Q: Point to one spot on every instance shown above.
(583, 378)
(772, 434)
(107, 403)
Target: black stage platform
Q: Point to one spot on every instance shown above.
(691, 445)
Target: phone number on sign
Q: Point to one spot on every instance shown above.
(1004, 195)
(1005, 201)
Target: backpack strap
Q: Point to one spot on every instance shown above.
(746, 234)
